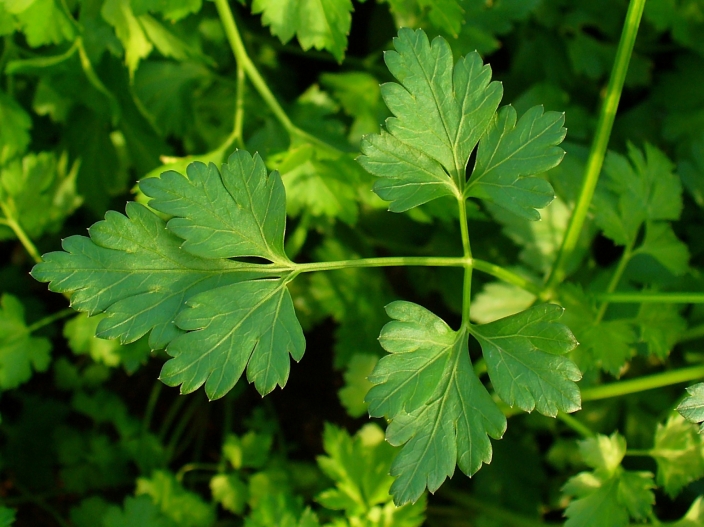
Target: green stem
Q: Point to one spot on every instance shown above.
(180, 427)
(600, 143)
(615, 279)
(389, 261)
(659, 298)
(10, 221)
(97, 83)
(151, 405)
(575, 424)
(641, 384)
(50, 319)
(507, 276)
(239, 108)
(467, 249)
(241, 56)
(694, 333)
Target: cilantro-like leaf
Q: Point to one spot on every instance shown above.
(359, 466)
(692, 407)
(185, 508)
(602, 344)
(134, 269)
(119, 14)
(249, 324)
(510, 153)
(38, 192)
(357, 384)
(20, 352)
(440, 411)
(609, 495)
(319, 24)
(679, 453)
(660, 327)
(438, 407)
(14, 134)
(662, 244)
(634, 190)
(138, 512)
(238, 211)
(229, 491)
(441, 111)
(524, 354)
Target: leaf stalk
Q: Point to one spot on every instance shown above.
(604, 126)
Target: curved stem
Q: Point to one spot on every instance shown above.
(390, 261)
(600, 143)
(50, 319)
(507, 276)
(10, 221)
(96, 82)
(241, 56)
(575, 424)
(641, 384)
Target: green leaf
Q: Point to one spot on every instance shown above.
(662, 244)
(524, 355)
(608, 345)
(359, 466)
(679, 453)
(510, 153)
(229, 491)
(360, 97)
(237, 211)
(660, 327)
(39, 192)
(634, 190)
(440, 113)
(609, 495)
(185, 508)
(249, 324)
(89, 512)
(138, 512)
(319, 185)
(498, 300)
(44, 22)
(603, 453)
(134, 269)
(357, 384)
(251, 450)
(14, 133)
(7, 516)
(119, 14)
(20, 352)
(439, 409)
(319, 24)
(692, 407)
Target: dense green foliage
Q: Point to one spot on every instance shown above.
(256, 131)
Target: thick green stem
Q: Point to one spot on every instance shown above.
(600, 143)
(615, 279)
(241, 56)
(658, 298)
(506, 275)
(390, 261)
(642, 384)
